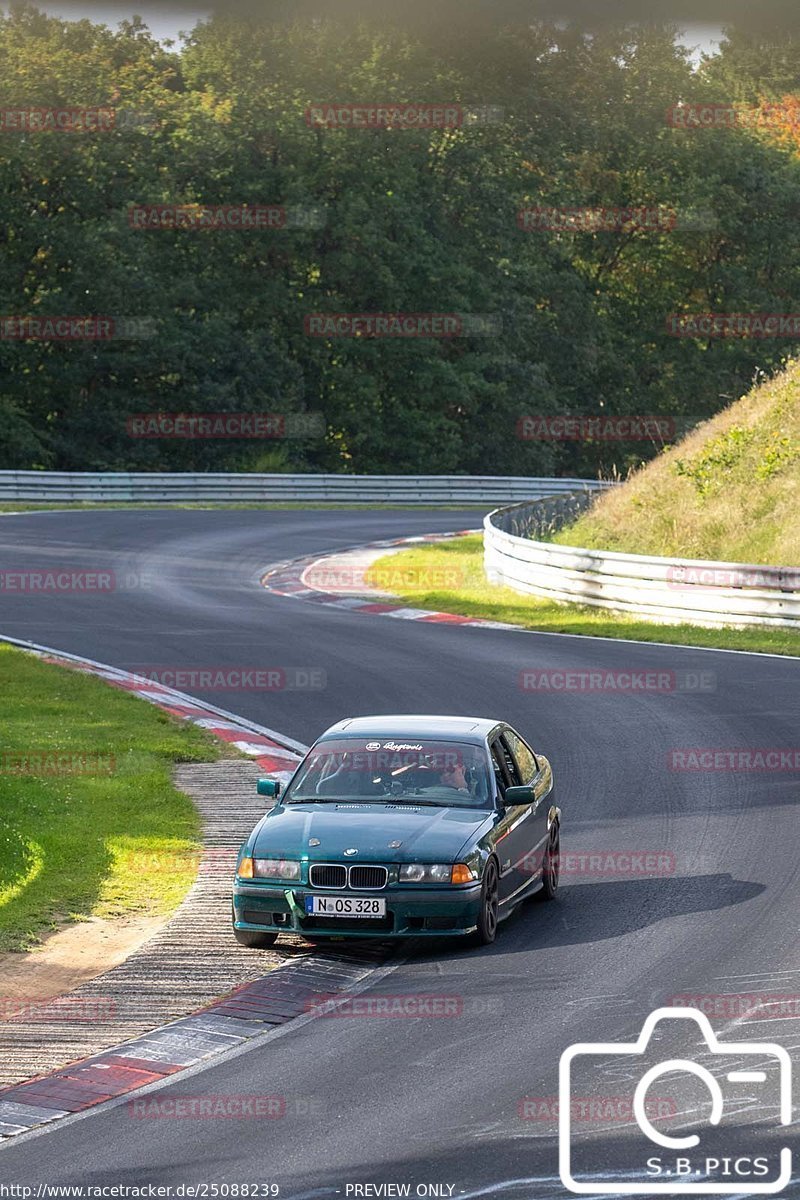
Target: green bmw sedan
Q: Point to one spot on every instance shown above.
(405, 826)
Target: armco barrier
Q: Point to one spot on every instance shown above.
(144, 487)
(666, 590)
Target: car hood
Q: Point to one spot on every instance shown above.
(427, 833)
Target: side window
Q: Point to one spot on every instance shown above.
(507, 758)
(522, 753)
(499, 768)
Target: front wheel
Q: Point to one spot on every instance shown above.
(551, 867)
(486, 930)
(254, 939)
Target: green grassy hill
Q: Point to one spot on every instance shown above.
(729, 491)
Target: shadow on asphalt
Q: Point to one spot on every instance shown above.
(592, 912)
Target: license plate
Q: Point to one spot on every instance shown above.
(344, 906)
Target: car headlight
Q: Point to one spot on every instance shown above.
(435, 873)
(276, 868)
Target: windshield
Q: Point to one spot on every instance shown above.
(396, 771)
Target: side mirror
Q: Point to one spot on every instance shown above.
(268, 787)
(518, 795)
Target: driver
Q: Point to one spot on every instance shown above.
(453, 776)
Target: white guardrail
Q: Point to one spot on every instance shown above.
(674, 590)
(146, 487)
(661, 589)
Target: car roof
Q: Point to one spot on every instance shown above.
(463, 729)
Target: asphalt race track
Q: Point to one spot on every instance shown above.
(432, 1100)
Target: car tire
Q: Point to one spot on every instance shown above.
(551, 865)
(486, 930)
(254, 939)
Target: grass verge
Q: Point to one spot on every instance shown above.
(102, 837)
(459, 563)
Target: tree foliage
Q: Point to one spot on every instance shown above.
(413, 221)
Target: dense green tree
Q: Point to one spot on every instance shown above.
(382, 220)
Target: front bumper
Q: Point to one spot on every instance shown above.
(424, 912)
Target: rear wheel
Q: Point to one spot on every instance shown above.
(486, 931)
(551, 867)
(254, 939)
